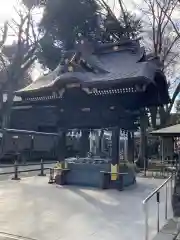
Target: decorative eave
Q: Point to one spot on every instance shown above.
(96, 92)
(110, 69)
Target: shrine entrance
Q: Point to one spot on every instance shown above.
(96, 86)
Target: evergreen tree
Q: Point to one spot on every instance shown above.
(63, 20)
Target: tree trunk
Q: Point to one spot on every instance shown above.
(11, 87)
(7, 111)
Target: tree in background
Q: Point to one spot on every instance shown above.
(176, 119)
(123, 25)
(17, 59)
(62, 22)
(162, 39)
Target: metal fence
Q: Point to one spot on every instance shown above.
(160, 169)
(168, 185)
(17, 169)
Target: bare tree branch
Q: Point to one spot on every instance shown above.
(170, 48)
(165, 39)
(171, 61)
(175, 94)
(4, 37)
(28, 63)
(23, 57)
(124, 16)
(168, 15)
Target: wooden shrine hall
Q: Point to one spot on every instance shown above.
(96, 85)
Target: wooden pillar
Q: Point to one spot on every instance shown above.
(62, 146)
(142, 159)
(133, 147)
(31, 148)
(115, 154)
(101, 142)
(130, 147)
(84, 143)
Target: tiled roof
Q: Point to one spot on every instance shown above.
(168, 131)
(116, 63)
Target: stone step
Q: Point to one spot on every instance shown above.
(170, 231)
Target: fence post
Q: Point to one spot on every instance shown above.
(166, 202)
(42, 174)
(171, 184)
(16, 177)
(158, 202)
(146, 221)
(51, 177)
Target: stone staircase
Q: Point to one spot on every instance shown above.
(170, 231)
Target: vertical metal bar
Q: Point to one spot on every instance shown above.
(162, 150)
(171, 185)
(120, 150)
(3, 142)
(157, 217)
(146, 221)
(145, 205)
(16, 173)
(125, 148)
(166, 199)
(158, 202)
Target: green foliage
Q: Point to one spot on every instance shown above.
(63, 20)
(60, 25)
(50, 54)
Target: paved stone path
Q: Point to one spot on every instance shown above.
(36, 210)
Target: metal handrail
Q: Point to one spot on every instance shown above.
(28, 164)
(157, 193)
(156, 190)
